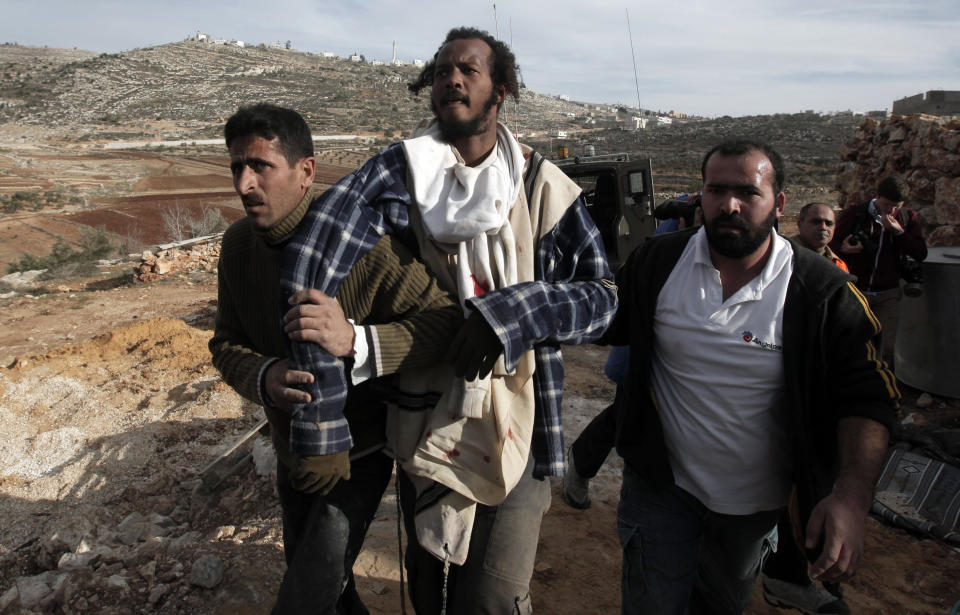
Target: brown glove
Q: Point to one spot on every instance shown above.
(319, 474)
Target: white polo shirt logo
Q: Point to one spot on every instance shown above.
(749, 338)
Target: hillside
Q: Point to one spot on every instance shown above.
(69, 120)
(187, 89)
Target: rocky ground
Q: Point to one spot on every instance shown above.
(111, 410)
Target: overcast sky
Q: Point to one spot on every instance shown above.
(705, 57)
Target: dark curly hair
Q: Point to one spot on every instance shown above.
(503, 67)
(893, 188)
(272, 122)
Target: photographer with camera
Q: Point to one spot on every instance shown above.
(881, 242)
(678, 214)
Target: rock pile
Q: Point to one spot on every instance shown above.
(154, 265)
(925, 151)
(144, 559)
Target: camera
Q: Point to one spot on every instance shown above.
(912, 273)
(863, 237)
(676, 208)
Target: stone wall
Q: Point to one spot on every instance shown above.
(199, 256)
(925, 151)
(934, 102)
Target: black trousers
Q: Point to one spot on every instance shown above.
(591, 449)
(322, 536)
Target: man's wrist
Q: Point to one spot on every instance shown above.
(262, 390)
(852, 490)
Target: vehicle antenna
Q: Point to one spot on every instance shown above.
(634, 56)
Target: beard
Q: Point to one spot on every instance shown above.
(454, 130)
(738, 245)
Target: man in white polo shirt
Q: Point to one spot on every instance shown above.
(751, 359)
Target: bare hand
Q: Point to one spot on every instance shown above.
(847, 247)
(279, 382)
(838, 524)
(318, 318)
(475, 349)
(890, 223)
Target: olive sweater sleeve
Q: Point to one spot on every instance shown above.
(243, 343)
(408, 318)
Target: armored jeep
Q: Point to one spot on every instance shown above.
(618, 193)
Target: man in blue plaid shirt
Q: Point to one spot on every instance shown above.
(508, 234)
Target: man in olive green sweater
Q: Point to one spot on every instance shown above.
(400, 319)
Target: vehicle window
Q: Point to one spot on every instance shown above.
(588, 183)
(636, 185)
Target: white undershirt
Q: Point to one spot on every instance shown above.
(718, 376)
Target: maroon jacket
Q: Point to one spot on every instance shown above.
(876, 272)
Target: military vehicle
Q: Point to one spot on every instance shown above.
(618, 193)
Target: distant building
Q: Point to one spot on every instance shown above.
(564, 97)
(664, 121)
(934, 102)
(202, 38)
(419, 63)
(356, 58)
(237, 43)
(328, 54)
(556, 133)
(640, 123)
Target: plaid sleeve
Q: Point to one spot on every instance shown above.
(340, 227)
(571, 302)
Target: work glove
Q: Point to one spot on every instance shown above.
(475, 349)
(319, 474)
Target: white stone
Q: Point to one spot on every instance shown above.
(224, 531)
(76, 561)
(22, 278)
(207, 571)
(264, 457)
(162, 521)
(9, 597)
(68, 538)
(148, 570)
(32, 590)
(117, 581)
(162, 267)
(188, 538)
(132, 528)
(156, 593)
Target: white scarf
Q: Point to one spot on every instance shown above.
(468, 206)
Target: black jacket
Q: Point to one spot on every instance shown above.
(831, 365)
